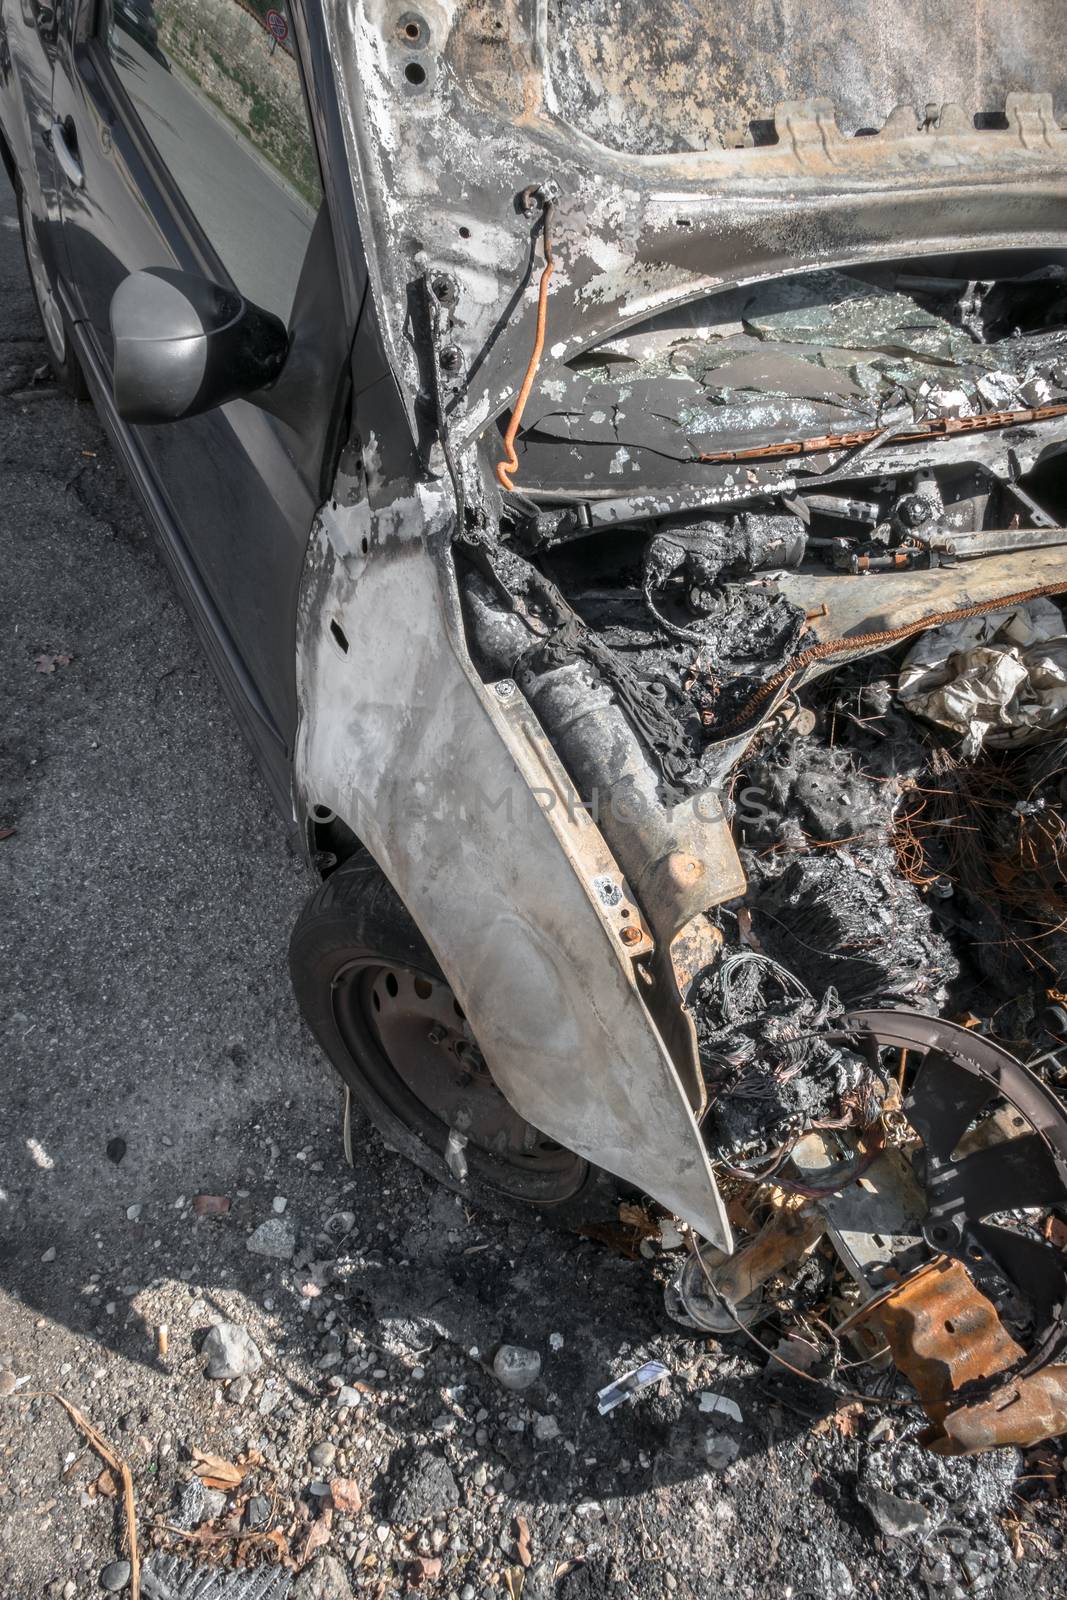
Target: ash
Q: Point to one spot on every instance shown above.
(769, 1076)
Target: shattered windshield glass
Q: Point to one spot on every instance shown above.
(822, 354)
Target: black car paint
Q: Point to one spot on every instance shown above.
(232, 493)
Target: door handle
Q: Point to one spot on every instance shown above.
(68, 161)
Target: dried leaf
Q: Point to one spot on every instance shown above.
(515, 1578)
(424, 1569)
(105, 1484)
(844, 1421)
(522, 1541)
(210, 1205)
(8, 833)
(318, 1535)
(635, 1217)
(344, 1492)
(214, 1472)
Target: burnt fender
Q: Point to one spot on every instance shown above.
(465, 806)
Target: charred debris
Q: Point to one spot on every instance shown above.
(790, 559)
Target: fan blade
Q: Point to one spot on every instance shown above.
(1034, 1268)
(943, 1102)
(1003, 1177)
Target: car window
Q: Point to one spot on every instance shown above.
(216, 86)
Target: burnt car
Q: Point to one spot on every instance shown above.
(614, 458)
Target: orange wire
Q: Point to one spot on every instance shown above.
(510, 463)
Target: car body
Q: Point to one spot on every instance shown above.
(366, 584)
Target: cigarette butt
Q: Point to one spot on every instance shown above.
(162, 1338)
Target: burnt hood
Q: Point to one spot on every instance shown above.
(694, 145)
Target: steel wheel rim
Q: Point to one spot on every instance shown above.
(410, 1042)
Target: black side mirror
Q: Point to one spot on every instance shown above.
(184, 345)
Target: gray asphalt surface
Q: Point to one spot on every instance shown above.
(146, 897)
(148, 891)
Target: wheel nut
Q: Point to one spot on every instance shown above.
(436, 1034)
(630, 935)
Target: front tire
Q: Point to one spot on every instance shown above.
(382, 1010)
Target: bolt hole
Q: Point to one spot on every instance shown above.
(376, 997)
(364, 544)
(464, 233)
(322, 813)
(414, 73)
(340, 637)
(683, 222)
(624, 912)
(392, 988)
(423, 988)
(412, 30)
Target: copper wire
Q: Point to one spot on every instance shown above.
(510, 465)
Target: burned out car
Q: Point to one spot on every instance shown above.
(614, 454)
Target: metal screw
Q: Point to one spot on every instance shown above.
(437, 1034)
(630, 935)
(504, 689)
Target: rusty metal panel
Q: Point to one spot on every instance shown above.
(688, 74)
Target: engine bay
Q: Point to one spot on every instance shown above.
(796, 552)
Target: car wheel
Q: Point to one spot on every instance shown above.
(61, 357)
(380, 1007)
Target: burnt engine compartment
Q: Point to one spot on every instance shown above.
(845, 634)
(897, 424)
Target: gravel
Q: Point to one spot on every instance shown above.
(149, 890)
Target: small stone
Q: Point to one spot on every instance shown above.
(257, 1511)
(115, 1149)
(50, 1253)
(230, 1352)
(720, 1450)
(344, 1492)
(275, 1238)
(8, 1383)
(325, 1579)
(516, 1367)
(545, 1429)
(278, 1204)
(347, 1397)
(70, 1589)
(115, 1576)
(339, 1223)
(322, 1455)
(428, 1488)
(237, 1391)
(895, 1517)
(133, 1213)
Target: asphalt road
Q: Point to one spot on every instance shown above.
(148, 890)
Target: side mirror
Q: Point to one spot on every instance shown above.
(184, 345)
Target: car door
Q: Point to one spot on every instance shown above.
(184, 139)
